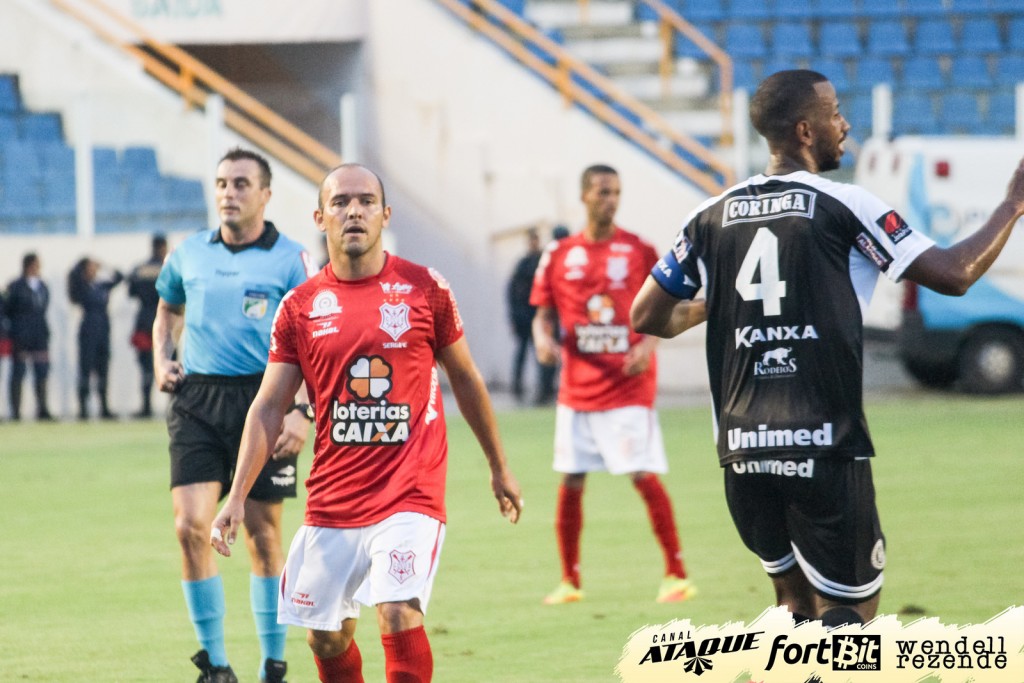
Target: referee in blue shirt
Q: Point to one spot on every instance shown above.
(219, 291)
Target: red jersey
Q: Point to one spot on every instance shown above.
(367, 351)
(591, 286)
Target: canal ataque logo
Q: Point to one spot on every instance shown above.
(696, 655)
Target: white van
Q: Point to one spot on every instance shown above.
(947, 187)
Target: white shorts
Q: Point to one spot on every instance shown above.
(619, 441)
(329, 572)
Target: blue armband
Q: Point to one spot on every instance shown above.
(671, 275)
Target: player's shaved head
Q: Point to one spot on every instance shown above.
(323, 183)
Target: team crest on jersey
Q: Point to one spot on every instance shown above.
(255, 304)
(402, 564)
(369, 418)
(617, 270)
(394, 319)
(325, 304)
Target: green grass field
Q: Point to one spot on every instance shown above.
(90, 582)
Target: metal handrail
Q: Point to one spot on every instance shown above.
(655, 130)
(195, 81)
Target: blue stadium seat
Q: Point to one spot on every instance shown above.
(924, 8)
(970, 71)
(703, 10)
(874, 70)
(517, 6)
(185, 194)
(8, 128)
(796, 11)
(966, 7)
(21, 198)
(922, 73)
(792, 40)
(140, 161)
(1017, 32)
(776, 64)
(1007, 6)
(934, 37)
(59, 205)
(1002, 112)
(745, 40)
(744, 75)
(960, 113)
(685, 48)
(42, 127)
(857, 110)
(874, 9)
(57, 159)
(745, 10)
(1009, 69)
(21, 160)
(913, 114)
(10, 98)
(980, 35)
(836, 72)
(887, 39)
(839, 39)
(104, 161)
(830, 9)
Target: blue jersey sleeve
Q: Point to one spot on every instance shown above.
(169, 284)
(676, 271)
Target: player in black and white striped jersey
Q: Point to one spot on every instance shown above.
(787, 262)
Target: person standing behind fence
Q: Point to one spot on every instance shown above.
(220, 290)
(92, 293)
(142, 286)
(27, 300)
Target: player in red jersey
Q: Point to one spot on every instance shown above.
(366, 335)
(605, 418)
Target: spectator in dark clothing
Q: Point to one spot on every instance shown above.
(520, 310)
(142, 286)
(26, 302)
(93, 295)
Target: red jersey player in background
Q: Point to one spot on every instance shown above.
(366, 335)
(605, 418)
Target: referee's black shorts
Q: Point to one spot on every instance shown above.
(205, 421)
(818, 514)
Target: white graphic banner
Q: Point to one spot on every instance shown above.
(772, 650)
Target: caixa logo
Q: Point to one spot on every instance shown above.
(696, 655)
(844, 652)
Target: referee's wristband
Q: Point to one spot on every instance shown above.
(305, 409)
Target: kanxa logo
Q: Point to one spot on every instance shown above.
(696, 655)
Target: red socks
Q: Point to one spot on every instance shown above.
(407, 656)
(568, 527)
(345, 668)
(659, 508)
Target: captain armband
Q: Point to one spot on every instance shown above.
(672, 277)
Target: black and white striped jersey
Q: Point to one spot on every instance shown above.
(788, 265)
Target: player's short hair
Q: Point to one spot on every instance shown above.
(320, 193)
(238, 154)
(593, 170)
(159, 241)
(782, 100)
(29, 259)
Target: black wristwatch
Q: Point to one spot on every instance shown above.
(306, 410)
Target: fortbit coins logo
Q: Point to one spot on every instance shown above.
(844, 652)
